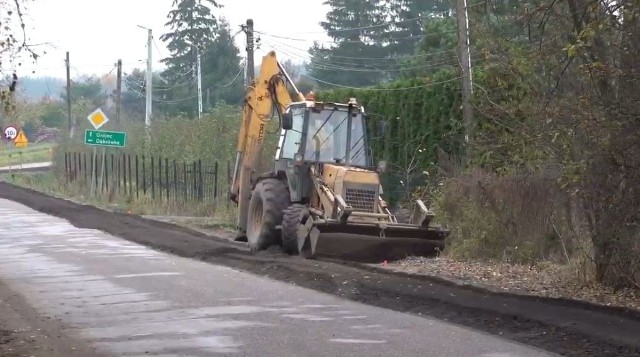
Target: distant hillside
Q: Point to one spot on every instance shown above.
(37, 87)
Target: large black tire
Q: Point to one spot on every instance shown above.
(292, 218)
(403, 215)
(268, 200)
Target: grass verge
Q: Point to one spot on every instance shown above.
(200, 215)
(31, 154)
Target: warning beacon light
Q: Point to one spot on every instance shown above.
(310, 96)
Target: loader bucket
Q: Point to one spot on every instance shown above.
(367, 242)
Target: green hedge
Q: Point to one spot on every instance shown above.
(421, 112)
(420, 115)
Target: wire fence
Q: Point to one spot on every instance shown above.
(163, 180)
(139, 176)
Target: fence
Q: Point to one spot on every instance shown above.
(139, 176)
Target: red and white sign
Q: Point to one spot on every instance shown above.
(10, 133)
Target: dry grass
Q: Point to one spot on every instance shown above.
(511, 219)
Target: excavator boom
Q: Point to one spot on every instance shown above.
(267, 92)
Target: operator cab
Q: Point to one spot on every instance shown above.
(324, 132)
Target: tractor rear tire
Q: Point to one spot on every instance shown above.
(403, 215)
(293, 217)
(268, 200)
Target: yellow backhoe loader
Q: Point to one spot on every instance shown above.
(323, 183)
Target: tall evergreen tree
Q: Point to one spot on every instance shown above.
(356, 26)
(221, 69)
(191, 24)
(409, 18)
(193, 27)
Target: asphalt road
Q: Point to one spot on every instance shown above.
(112, 297)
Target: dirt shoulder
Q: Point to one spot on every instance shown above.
(543, 280)
(561, 326)
(24, 332)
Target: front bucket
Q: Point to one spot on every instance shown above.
(364, 243)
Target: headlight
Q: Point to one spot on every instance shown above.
(297, 158)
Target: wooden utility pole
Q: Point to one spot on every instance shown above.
(149, 85)
(465, 64)
(119, 94)
(70, 123)
(250, 45)
(199, 65)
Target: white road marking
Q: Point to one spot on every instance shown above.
(353, 340)
(308, 317)
(145, 274)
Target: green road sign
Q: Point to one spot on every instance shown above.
(105, 138)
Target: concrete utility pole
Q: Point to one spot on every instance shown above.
(465, 63)
(70, 123)
(149, 82)
(250, 43)
(119, 94)
(199, 82)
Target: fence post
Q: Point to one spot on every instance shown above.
(186, 181)
(144, 176)
(84, 166)
(91, 176)
(117, 158)
(113, 174)
(160, 178)
(76, 164)
(130, 177)
(228, 181)
(200, 184)
(153, 183)
(66, 170)
(166, 177)
(106, 174)
(95, 169)
(137, 181)
(215, 181)
(124, 174)
(175, 181)
(194, 193)
(67, 165)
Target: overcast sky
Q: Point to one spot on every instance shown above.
(98, 32)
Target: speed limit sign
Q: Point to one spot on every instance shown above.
(10, 132)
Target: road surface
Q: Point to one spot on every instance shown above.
(106, 296)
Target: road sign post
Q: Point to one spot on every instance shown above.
(104, 139)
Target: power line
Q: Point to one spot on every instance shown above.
(397, 58)
(381, 89)
(366, 27)
(376, 65)
(173, 101)
(372, 67)
(324, 65)
(383, 39)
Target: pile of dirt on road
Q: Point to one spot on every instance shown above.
(562, 326)
(545, 280)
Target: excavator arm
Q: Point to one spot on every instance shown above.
(267, 93)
